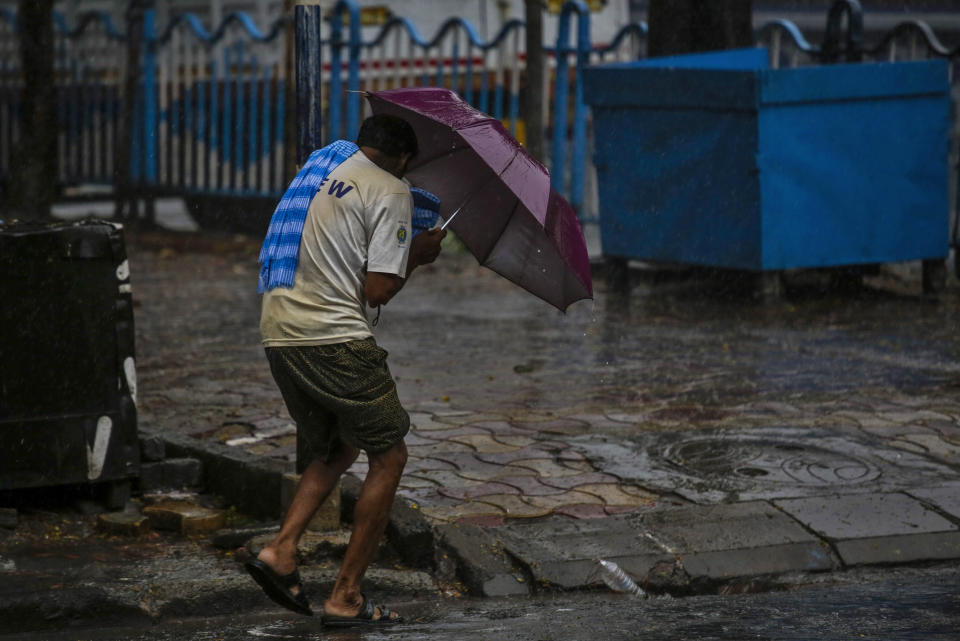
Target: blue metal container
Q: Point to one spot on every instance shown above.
(716, 159)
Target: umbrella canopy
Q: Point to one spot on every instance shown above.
(498, 196)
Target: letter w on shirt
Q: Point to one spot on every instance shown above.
(339, 189)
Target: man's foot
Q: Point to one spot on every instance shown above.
(283, 589)
(368, 614)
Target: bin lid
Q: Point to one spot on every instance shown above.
(864, 81)
(742, 80)
(71, 240)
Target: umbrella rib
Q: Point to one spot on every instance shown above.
(513, 211)
(466, 201)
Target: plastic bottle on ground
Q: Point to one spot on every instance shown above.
(618, 580)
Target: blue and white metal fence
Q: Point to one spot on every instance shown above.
(89, 71)
(220, 107)
(90, 68)
(211, 113)
(486, 73)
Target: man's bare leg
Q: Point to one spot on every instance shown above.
(315, 485)
(370, 518)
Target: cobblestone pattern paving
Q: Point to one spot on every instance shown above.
(496, 381)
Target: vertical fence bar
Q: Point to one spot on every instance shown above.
(189, 95)
(412, 62)
(498, 80)
(176, 146)
(239, 75)
(177, 105)
(399, 64)
(561, 96)
(226, 140)
(425, 68)
(164, 122)
(468, 75)
(281, 111)
(200, 177)
(353, 79)
(213, 127)
(336, 69)
(484, 82)
(515, 83)
(253, 89)
(561, 83)
(378, 69)
(578, 162)
(455, 60)
(265, 126)
(438, 71)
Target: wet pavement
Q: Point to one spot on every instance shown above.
(703, 440)
(922, 606)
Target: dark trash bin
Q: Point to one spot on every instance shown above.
(67, 372)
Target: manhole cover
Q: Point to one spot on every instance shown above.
(763, 461)
(759, 463)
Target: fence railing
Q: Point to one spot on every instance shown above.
(487, 74)
(211, 116)
(213, 113)
(220, 107)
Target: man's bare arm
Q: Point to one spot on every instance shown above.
(379, 287)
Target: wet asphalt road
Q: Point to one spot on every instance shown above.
(902, 605)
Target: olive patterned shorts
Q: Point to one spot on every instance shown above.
(340, 393)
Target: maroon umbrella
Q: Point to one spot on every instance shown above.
(493, 194)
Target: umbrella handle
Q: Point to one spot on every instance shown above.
(452, 216)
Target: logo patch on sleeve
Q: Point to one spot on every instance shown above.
(402, 234)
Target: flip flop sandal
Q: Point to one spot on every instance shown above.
(277, 586)
(365, 617)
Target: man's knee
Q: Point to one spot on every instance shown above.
(393, 459)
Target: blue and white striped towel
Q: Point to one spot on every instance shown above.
(426, 209)
(281, 247)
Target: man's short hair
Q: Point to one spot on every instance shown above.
(390, 134)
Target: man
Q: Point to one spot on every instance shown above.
(356, 248)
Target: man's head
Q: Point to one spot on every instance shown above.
(393, 140)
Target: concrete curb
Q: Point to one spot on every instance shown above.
(692, 549)
(482, 565)
(253, 485)
(249, 482)
(689, 549)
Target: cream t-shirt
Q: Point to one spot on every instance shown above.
(358, 221)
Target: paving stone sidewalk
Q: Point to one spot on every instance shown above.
(692, 437)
